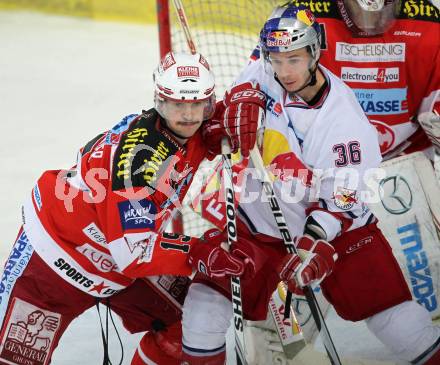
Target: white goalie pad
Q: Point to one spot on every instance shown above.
(276, 340)
(304, 316)
(409, 216)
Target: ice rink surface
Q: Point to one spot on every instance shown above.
(62, 81)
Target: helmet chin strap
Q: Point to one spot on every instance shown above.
(311, 81)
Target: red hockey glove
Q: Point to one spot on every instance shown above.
(245, 253)
(210, 256)
(316, 261)
(238, 119)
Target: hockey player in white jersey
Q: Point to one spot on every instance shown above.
(319, 146)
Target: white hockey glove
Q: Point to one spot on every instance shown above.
(430, 123)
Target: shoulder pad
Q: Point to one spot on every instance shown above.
(89, 146)
(142, 155)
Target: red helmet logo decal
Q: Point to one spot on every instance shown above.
(187, 71)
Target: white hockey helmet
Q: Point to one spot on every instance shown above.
(367, 18)
(182, 77)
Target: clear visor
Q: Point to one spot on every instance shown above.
(187, 111)
(370, 21)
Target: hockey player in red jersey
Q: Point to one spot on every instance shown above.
(95, 233)
(313, 116)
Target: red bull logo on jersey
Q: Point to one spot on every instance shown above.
(279, 38)
(344, 198)
(187, 71)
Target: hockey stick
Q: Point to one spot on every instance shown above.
(230, 211)
(184, 24)
(231, 228)
(290, 247)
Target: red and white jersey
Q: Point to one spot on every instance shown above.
(395, 76)
(99, 225)
(320, 157)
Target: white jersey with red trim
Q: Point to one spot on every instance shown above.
(99, 225)
(395, 76)
(331, 142)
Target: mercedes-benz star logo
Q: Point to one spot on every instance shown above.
(395, 194)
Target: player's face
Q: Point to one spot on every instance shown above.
(184, 118)
(292, 68)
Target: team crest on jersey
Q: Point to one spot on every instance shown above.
(144, 247)
(344, 198)
(28, 334)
